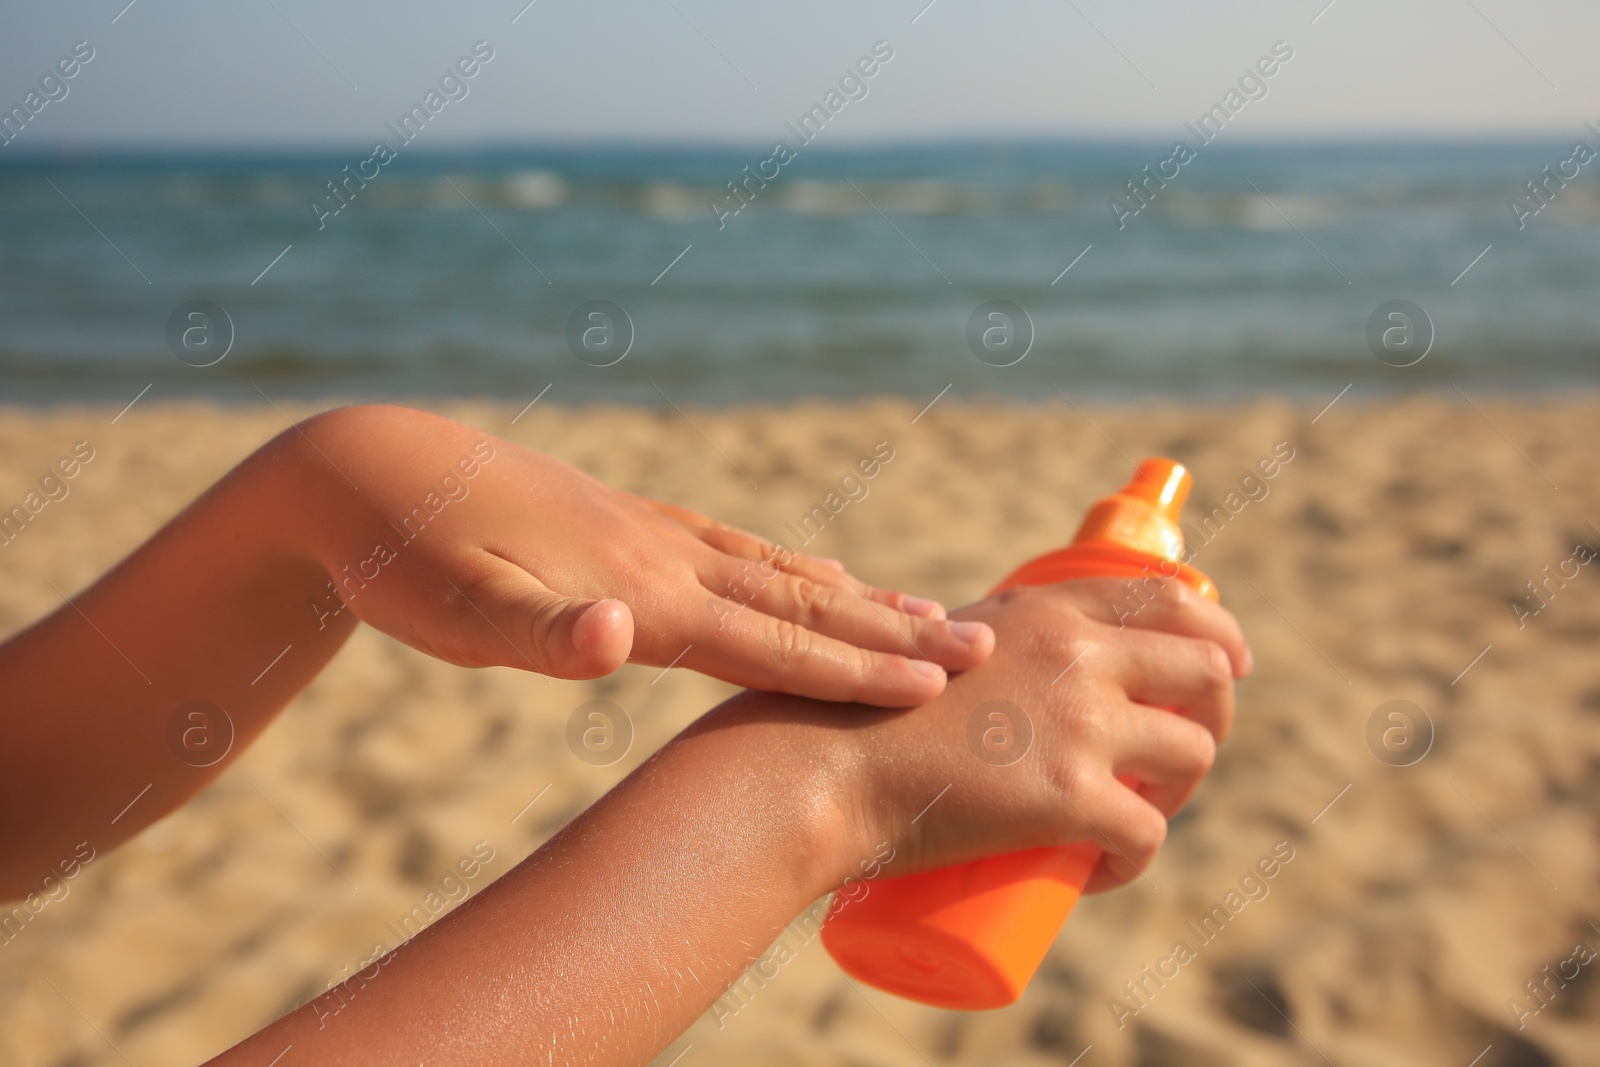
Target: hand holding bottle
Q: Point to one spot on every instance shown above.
(972, 936)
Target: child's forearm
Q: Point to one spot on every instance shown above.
(616, 935)
(218, 607)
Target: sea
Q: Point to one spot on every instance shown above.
(715, 275)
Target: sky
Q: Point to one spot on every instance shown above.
(285, 73)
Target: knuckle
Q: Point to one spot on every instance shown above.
(1202, 754)
(1147, 832)
(813, 600)
(541, 631)
(1179, 595)
(766, 552)
(793, 641)
(1094, 726)
(617, 553)
(760, 552)
(1062, 634)
(1070, 640)
(1217, 667)
(866, 666)
(1072, 777)
(1096, 588)
(1132, 840)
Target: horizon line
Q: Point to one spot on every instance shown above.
(1397, 138)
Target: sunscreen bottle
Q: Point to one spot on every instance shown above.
(971, 936)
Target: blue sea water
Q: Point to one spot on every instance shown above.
(852, 273)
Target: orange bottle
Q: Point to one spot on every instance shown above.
(971, 936)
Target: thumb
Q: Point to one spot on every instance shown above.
(523, 623)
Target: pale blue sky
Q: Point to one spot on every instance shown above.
(240, 74)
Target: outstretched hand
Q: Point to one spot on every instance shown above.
(483, 552)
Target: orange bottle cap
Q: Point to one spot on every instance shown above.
(1143, 515)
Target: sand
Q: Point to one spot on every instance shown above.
(1379, 566)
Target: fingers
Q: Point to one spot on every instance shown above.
(509, 618)
(831, 572)
(1127, 826)
(1192, 677)
(746, 647)
(1169, 605)
(762, 557)
(848, 616)
(1166, 755)
(1149, 763)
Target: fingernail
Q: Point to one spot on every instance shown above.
(921, 606)
(591, 615)
(1249, 660)
(968, 633)
(927, 669)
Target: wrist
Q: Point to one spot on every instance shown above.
(296, 516)
(796, 770)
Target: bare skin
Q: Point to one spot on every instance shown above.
(610, 940)
(468, 547)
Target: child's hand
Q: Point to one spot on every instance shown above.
(482, 552)
(1098, 721)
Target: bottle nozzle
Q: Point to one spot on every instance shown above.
(1143, 515)
(1162, 483)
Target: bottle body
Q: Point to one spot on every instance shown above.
(971, 936)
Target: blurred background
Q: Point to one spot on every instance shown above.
(977, 163)
(1377, 245)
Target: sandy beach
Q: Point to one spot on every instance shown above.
(1380, 563)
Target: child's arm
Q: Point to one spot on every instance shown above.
(464, 545)
(609, 941)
